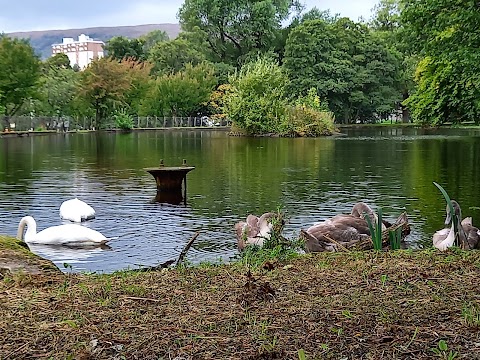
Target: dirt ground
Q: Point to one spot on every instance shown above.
(354, 305)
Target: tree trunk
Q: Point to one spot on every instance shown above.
(405, 112)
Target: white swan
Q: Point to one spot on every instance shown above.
(76, 210)
(69, 234)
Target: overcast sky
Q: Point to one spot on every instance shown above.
(29, 15)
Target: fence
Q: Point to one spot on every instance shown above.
(26, 123)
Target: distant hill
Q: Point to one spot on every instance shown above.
(41, 41)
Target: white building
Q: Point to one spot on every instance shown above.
(80, 52)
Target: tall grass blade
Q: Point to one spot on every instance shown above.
(395, 237)
(375, 230)
(379, 230)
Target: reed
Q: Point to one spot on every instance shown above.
(395, 238)
(375, 230)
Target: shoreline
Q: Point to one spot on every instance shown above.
(400, 304)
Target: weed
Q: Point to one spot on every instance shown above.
(301, 355)
(395, 237)
(442, 351)
(375, 230)
(384, 279)
(471, 315)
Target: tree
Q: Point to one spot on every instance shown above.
(121, 47)
(446, 35)
(152, 38)
(173, 55)
(182, 93)
(19, 74)
(233, 29)
(103, 85)
(387, 16)
(58, 91)
(348, 66)
(256, 101)
(386, 23)
(57, 61)
(138, 75)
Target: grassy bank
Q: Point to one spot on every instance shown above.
(356, 305)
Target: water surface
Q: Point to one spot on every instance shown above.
(310, 179)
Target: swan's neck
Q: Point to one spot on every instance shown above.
(31, 225)
(450, 239)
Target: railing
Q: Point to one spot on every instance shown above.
(26, 123)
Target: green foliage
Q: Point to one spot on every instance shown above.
(308, 116)
(395, 237)
(108, 84)
(375, 230)
(301, 355)
(256, 102)
(152, 38)
(172, 56)
(471, 315)
(233, 29)
(58, 91)
(19, 74)
(442, 351)
(444, 94)
(446, 35)
(123, 120)
(121, 47)
(57, 61)
(350, 67)
(181, 93)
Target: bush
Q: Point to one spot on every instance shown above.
(123, 120)
(256, 101)
(308, 116)
(305, 121)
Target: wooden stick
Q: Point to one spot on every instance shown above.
(186, 248)
(140, 298)
(336, 242)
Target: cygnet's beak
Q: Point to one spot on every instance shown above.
(448, 218)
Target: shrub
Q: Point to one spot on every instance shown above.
(123, 120)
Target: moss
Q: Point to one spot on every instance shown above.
(10, 243)
(16, 256)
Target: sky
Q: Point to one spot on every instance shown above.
(31, 15)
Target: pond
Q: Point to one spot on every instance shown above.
(309, 179)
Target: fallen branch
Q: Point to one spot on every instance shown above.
(186, 248)
(140, 298)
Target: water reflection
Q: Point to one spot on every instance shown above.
(310, 179)
(67, 255)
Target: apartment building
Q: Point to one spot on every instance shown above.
(80, 52)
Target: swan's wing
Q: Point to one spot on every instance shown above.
(444, 238)
(76, 210)
(68, 234)
(341, 228)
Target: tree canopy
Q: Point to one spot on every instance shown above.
(446, 35)
(350, 67)
(19, 75)
(233, 29)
